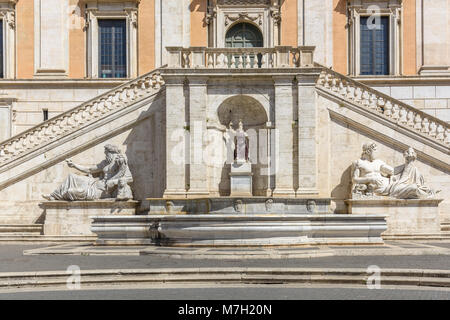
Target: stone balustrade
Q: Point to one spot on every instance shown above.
(241, 58)
(392, 109)
(78, 117)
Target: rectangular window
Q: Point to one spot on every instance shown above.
(45, 114)
(112, 48)
(1, 49)
(374, 46)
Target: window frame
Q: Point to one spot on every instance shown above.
(360, 8)
(373, 43)
(94, 13)
(113, 51)
(8, 21)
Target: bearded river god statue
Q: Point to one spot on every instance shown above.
(113, 180)
(373, 178)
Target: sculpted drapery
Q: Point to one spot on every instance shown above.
(372, 177)
(113, 178)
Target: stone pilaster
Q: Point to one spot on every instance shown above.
(284, 169)
(175, 138)
(198, 182)
(307, 136)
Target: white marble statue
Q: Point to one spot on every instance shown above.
(241, 144)
(113, 178)
(372, 177)
(237, 141)
(409, 184)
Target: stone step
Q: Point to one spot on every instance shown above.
(21, 229)
(439, 236)
(37, 238)
(403, 277)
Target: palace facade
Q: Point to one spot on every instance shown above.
(315, 79)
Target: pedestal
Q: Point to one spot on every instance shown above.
(73, 217)
(241, 179)
(404, 217)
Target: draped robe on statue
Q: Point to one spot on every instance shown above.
(410, 184)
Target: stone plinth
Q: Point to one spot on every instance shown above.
(404, 217)
(241, 179)
(74, 217)
(239, 230)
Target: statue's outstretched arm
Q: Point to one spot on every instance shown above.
(84, 169)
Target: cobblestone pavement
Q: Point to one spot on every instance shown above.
(413, 255)
(236, 293)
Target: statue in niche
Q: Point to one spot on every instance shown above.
(410, 184)
(240, 142)
(373, 178)
(113, 180)
(370, 176)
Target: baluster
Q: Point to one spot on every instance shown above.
(380, 104)
(326, 81)
(247, 60)
(410, 118)
(425, 126)
(447, 136)
(225, 61)
(358, 94)
(388, 109)
(233, 61)
(440, 132)
(334, 84)
(349, 94)
(365, 98)
(433, 128)
(240, 62)
(263, 60)
(418, 122)
(396, 112)
(342, 88)
(210, 60)
(403, 113)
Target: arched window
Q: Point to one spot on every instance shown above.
(243, 35)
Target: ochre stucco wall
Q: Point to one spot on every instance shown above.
(77, 42)
(289, 25)
(199, 32)
(340, 39)
(25, 38)
(146, 36)
(409, 37)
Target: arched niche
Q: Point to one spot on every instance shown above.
(245, 108)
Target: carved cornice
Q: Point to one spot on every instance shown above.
(242, 2)
(230, 18)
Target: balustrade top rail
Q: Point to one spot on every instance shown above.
(241, 58)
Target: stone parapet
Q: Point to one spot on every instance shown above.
(404, 217)
(74, 217)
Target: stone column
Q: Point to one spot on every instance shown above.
(175, 138)
(284, 169)
(198, 178)
(307, 144)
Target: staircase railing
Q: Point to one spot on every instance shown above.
(80, 116)
(392, 109)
